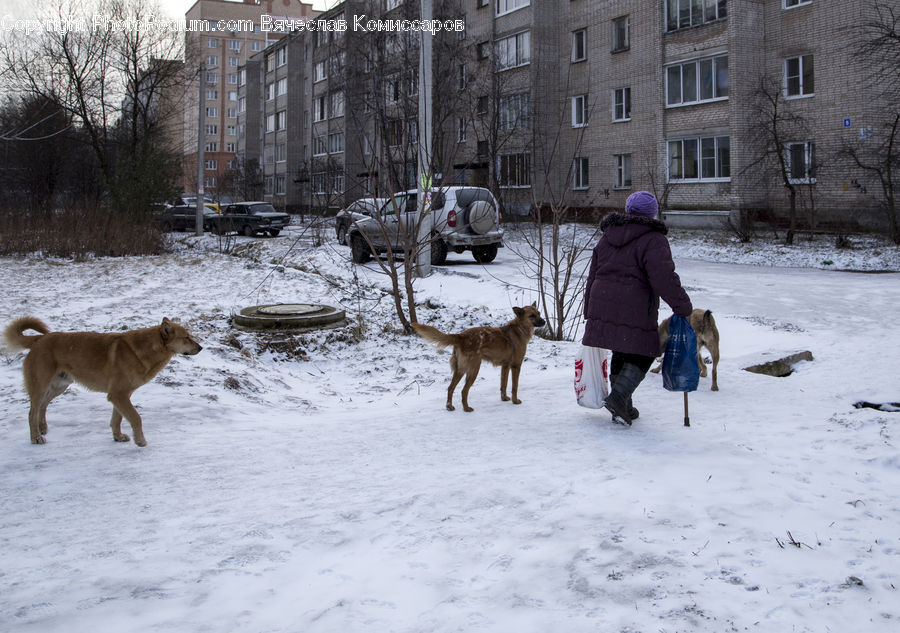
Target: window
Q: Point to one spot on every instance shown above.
(412, 84)
(232, 95)
(483, 50)
(212, 129)
(270, 62)
(799, 77)
(461, 77)
(514, 170)
(231, 113)
(621, 39)
(622, 104)
(212, 95)
(281, 86)
(579, 45)
(212, 79)
(212, 61)
(233, 62)
(234, 45)
(281, 57)
(483, 3)
(209, 182)
(319, 109)
(242, 104)
(211, 164)
(233, 78)
(270, 123)
(270, 91)
(515, 111)
(212, 43)
(683, 14)
(704, 158)
(514, 50)
(696, 81)
(229, 147)
(279, 185)
(320, 148)
(623, 171)
(801, 162)
(255, 46)
(242, 77)
(508, 6)
(580, 173)
(335, 142)
(337, 104)
(268, 185)
(318, 183)
(460, 130)
(212, 147)
(280, 153)
(319, 72)
(281, 120)
(482, 106)
(230, 130)
(579, 111)
(392, 4)
(337, 182)
(789, 4)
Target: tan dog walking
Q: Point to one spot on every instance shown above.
(504, 346)
(115, 364)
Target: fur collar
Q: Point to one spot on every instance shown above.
(622, 219)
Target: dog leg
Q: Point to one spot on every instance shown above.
(470, 379)
(504, 376)
(122, 403)
(714, 352)
(457, 376)
(37, 416)
(701, 363)
(115, 423)
(515, 384)
(34, 420)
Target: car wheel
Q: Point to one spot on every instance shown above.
(438, 251)
(359, 249)
(484, 254)
(274, 232)
(247, 231)
(342, 234)
(481, 217)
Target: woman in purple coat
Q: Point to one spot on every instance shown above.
(631, 269)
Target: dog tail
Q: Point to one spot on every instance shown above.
(435, 335)
(708, 319)
(14, 332)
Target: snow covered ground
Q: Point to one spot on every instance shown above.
(317, 484)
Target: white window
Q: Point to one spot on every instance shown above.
(211, 164)
(579, 45)
(212, 95)
(337, 104)
(801, 162)
(319, 72)
(789, 4)
(508, 6)
(242, 77)
(514, 50)
(318, 183)
(209, 182)
(703, 158)
(270, 62)
(621, 34)
(623, 171)
(268, 155)
(580, 172)
(233, 78)
(320, 148)
(234, 45)
(514, 112)
(212, 61)
(279, 185)
(412, 87)
(337, 182)
(270, 91)
(212, 79)
(336, 143)
(212, 147)
(696, 81)
(270, 123)
(212, 43)
(229, 147)
(233, 62)
(799, 76)
(256, 46)
(683, 14)
(268, 185)
(281, 57)
(392, 4)
(231, 113)
(514, 170)
(280, 153)
(232, 95)
(622, 104)
(461, 77)
(281, 120)
(281, 86)
(212, 129)
(320, 112)
(461, 130)
(579, 110)
(242, 104)
(230, 130)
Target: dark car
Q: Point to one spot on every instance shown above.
(355, 211)
(184, 217)
(250, 218)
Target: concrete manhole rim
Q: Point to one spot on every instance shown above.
(287, 316)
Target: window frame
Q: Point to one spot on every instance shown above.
(698, 143)
(580, 111)
(625, 104)
(809, 162)
(615, 45)
(517, 4)
(520, 58)
(581, 173)
(576, 45)
(623, 167)
(720, 7)
(801, 76)
(795, 4)
(521, 167)
(715, 65)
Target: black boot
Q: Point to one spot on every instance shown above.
(632, 411)
(627, 380)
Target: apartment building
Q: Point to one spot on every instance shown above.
(578, 103)
(222, 35)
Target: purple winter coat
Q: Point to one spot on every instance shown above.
(631, 269)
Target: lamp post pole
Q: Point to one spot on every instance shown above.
(424, 184)
(198, 227)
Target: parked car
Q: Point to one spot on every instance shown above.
(250, 218)
(354, 212)
(184, 217)
(190, 200)
(465, 219)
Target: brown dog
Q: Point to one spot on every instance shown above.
(116, 364)
(504, 346)
(707, 336)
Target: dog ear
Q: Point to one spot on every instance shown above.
(519, 311)
(534, 305)
(166, 328)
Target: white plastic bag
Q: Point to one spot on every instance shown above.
(592, 376)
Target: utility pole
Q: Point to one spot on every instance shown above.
(423, 257)
(201, 117)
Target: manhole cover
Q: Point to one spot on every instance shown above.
(287, 316)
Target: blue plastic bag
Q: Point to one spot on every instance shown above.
(680, 369)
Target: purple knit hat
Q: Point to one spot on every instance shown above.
(642, 203)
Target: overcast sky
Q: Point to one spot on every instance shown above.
(16, 9)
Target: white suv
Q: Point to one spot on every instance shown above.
(465, 219)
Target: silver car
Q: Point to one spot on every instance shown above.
(354, 212)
